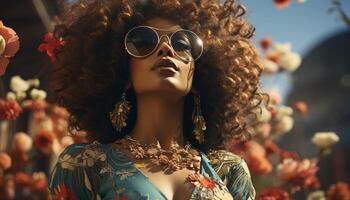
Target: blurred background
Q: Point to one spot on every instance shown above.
(321, 81)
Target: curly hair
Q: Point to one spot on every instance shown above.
(93, 66)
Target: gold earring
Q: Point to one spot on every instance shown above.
(119, 114)
(198, 119)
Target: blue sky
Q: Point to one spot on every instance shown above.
(304, 25)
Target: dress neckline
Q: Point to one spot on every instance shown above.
(126, 158)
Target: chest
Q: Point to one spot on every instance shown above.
(173, 185)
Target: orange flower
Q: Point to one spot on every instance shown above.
(258, 164)
(5, 161)
(51, 46)
(274, 57)
(199, 180)
(9, 46)
(339, 191)
(301, 107)
(256, 159)
(280, 4)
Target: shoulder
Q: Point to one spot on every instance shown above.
(73, 172)
(222, 160)
(81, 155)
(234, 171)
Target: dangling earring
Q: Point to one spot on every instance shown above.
(119, 114)
(198, 119)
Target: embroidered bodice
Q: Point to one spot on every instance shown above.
(98, 171)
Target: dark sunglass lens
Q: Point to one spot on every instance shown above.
(187, 45)
(141, 41)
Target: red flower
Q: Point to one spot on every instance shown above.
(9, 46)
(9, 110)
(265, 42)
(51, 45)
(44, 140)
(274, 193)
(22, 179)
(339, 191)
(280, 4)
(121, 198)
(63, 192)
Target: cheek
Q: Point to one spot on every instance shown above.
(187, 77)
(188, 72)
(139, 72)
(135, 70)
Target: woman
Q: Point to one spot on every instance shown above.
(159, 86)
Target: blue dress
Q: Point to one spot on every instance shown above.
(98, 171)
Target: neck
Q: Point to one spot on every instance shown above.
(159, 119)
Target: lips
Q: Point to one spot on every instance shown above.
(165, 63)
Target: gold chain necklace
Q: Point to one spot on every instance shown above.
(173, 159)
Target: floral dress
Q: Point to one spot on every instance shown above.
(98, 171)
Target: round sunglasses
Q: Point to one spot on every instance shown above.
(142, 41)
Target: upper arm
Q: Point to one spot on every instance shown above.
(234, 171)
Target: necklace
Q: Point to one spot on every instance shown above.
(172, 159)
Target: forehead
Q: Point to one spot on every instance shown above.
(162, 23)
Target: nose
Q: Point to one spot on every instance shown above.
(165, 48)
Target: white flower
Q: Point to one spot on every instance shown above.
(2, 45)
(11, 96)
(263, 115)
(284, 125)
(290, 61)
(281, 47)
(46, 124)
(316, 195)
(283, 111)
(33, 82)
(325, 139)
(21, 95)
(18, 85)
(38, 176)
(38, 94)
(269, 66)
